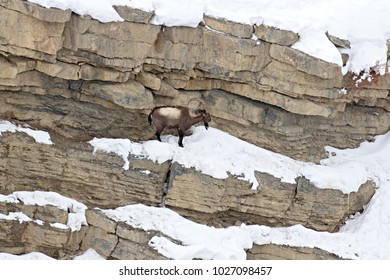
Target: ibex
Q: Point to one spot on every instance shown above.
(177, 117)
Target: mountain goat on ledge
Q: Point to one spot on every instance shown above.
(177, 117)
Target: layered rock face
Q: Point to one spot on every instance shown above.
(99, 180)
(85, 78)
(78, 78)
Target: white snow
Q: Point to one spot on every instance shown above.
(75, 209)
(365, 236)
(198, 241)
(363, 22)
(39, 136)
(30, 256)
(89, 254)
(216, 153)
(17, 216)
(229, 155)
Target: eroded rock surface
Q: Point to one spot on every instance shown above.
(79, 78)
(258, 88)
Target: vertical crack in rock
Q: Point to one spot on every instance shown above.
(293, 199)
(165, 188)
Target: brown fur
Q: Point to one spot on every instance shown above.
(177, 117)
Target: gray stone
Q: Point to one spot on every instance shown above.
(135, 235)
(338, 42)
(231, 201)
(129, 95)
(232, 28)
(128, 250)
(45, 236)
(133, 15)
(37, 11)
(98, 219)
(275, 35)
(280, 252)
(51, 214)
(99, 240)
(306, 63)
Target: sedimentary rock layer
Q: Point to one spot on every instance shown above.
(99, 180)
(257, 86)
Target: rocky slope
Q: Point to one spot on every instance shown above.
(78, 78)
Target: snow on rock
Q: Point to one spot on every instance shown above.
(216, 153)
(39, 136)
(121, 147)
(197, 240)
(89, 254)
(75, 209)
(364, 236)
(178, 13)
(363, 22)
(98, 9)
(211, 151)
(17, 216)
(318, 45)
(30, 256)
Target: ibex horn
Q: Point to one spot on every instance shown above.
(200, 101)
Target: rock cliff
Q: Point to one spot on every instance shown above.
(78, 78)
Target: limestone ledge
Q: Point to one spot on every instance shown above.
(287, 101)
(78, 78)
(232, 201)
(99, 180)
(110, 239)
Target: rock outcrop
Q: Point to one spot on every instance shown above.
(71, 169)
(110, 239)
(78, 78)
(232, 201)
(99, 180)
(85, 78)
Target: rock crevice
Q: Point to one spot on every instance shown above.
(78, 78)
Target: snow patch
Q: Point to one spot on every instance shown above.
(75, 209)
(39, 136)
(34, 256)
(89, 254)
(364, 236)
(218, 154)
(197, 241)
